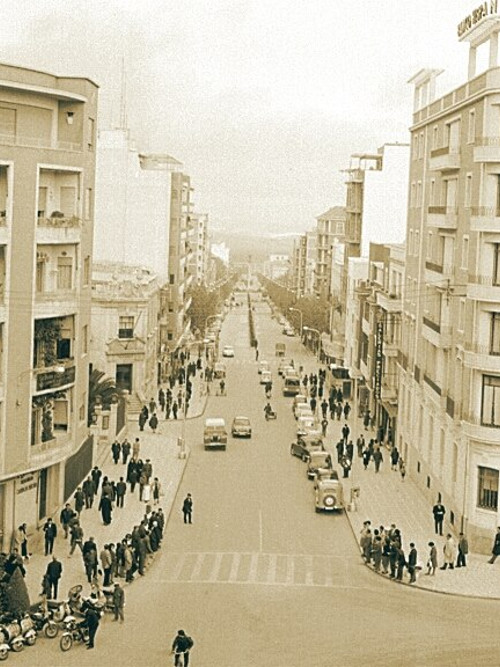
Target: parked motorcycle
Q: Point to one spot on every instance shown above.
(44, 622)
(11, 634)
(74, 632)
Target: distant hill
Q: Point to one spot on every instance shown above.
(247, 247)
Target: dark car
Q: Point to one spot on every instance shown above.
(303, 447)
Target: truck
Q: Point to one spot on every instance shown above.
(280, 349)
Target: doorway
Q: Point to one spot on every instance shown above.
(124, 377)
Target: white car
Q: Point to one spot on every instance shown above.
(263, 366)
(228, 351)
(307, 426)
(265, 377)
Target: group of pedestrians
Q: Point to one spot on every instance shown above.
(383, 549)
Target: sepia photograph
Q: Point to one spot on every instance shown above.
(250, 333)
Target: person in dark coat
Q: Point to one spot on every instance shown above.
(65, 517)
(496, 547)
(366, 457)
(377, 458)
(340, 450)
(50, 530)
(463, 550)
(96, 475)
(92, 618)
(121, 490)
(438, 511)
(153, 422)
(187, 508)
(142, 420)
(105, 507)
(394, 458)
(88, 489)
(116, 450)
(412, 563)
(79, 500)
(125, 451)
(53, 574)
(349, 450)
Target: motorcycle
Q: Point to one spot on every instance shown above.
(43, 622)
(16, 634)
(271, 414)
(74, 632)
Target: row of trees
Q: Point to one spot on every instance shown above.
(315, 311)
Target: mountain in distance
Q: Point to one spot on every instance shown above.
(245, 247)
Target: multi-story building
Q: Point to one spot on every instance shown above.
(198, 240)
(276, 266)
(303, 264)
(330, 228)
(124, 342)
(47, 174)
(449, 419)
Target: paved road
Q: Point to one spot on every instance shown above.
(260, 578)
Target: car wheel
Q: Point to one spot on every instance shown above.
(317, 510)
(304, 458)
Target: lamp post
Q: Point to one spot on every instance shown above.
(318, 349)
(297, 310)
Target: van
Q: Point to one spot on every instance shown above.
(291, 386)
(215, 433)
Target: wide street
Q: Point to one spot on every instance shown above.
(260, 578)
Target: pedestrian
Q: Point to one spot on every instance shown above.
(324, 408)
(50, 530)
(88, 490)
(146, 491)
(187, 508)
(449, 552)
(136, 447)
(121, 490)
(175, 408)
(340, 450)
(92, 618)
(366, 457)
(463, 550)
(256, 353)
(377, 458)
(133, 478)
(365, 544)
(312, 403)
(79, 500)
(181, 645)
(142, 420)
(53, 574)
(147, 469)
(324, 426)
(438, 511)
(402, 469)
(412, 563)
(106, 508)
(143, 480)
(401, 562)
(76, 539)
(89, 552)
(432, 562)
(376, 553)
(338, 411)
(125, 451)
(118, 602)
(157, 492)
(349, 450)
(96, 475)
(65, 518)
(360, 445)
(386, 553)
(347, 410)
(20, 541)
(394, 458)
(496, 547)
(345, 462)
(366, 419)
(152, 406)
(106, 564)
(116, 450)
(153, 422)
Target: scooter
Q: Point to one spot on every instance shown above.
(74, 632)
(43, 622)
(10, 635)
(271, 414)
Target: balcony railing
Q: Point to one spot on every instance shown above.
(72, 222)
(485, 211)
(51, 379)
(480, 348)
(432, 384)
(435, 326)
(39, 142)
(480, 279)
(487, 141)
(443, 150)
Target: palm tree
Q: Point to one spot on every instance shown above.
(102, 391)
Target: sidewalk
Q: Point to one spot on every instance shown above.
(163, 450)
(384, 499)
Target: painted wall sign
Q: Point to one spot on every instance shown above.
(379, 360)
(26, 483)
(484, 9)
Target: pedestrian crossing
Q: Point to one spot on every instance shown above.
(267, 569)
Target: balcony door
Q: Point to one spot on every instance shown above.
(68, 201)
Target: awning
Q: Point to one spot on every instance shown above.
(333, 349)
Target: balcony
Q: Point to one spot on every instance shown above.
(446, 158)
(480, 357)
(389, 302)
(59, 230)
(484, 219)
(38, 142)
(483, 288)
(444, 217)
(430, 382)
(487, 149)
(474, 428)
(388, 392)
(439, 335)
(444, 271)
(49, 378)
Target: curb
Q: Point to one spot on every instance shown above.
(416, 585)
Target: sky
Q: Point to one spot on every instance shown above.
(263, 101)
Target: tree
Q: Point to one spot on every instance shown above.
(204, 304)
(102, 391)
(14, 596)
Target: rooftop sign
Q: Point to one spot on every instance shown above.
(484, 9)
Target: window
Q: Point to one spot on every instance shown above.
(81, 412)
(64, 273)
(172, 278)
(471, 132)
(468, 190)
(170, 307)
(461, 315)
(495, 333)
(441, 448)
(490, 409)
(465, 252)
(430, 239)
(86, 270)
(421, 146)
(419, 193)
(126, 326)
(40, 273)
(487, 488)
(496, 264)
(91, 134)
(85, 339)
(105, 422)
(435, 136)
(417, 242)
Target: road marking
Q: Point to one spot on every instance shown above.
(254, 563)
(271, 572)
(309, 571)
(178, 568)
(216, 567)
(197, 566)
(260, 531)
(290, 570)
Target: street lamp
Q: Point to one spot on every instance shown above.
(297, 310)
(318, 349)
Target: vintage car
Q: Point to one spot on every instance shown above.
(241, 427)
(265, 377)
(284, 363)
(303, 447)
(302, 410)
(329, 493)
(228, 351)
(291, 386)
(215, 433)
(306, 426)
(263, 366)
(319, 461)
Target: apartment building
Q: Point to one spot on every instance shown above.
(47, 175)
(330, 228)
(125, 331)
(198, 241)
(303, 264)
(449, 418)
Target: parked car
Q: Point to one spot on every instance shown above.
(265, 377)
(307, 426)
(215, 433)
(283, 364)
(288, 331)
(228, 351)
(291, 386)
(302, 447)
(329, 493)
(241, 427)
(319, 461)
(297, 400)
(302, 410)
(263, 366)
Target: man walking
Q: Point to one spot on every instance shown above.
(438, 511)
(450, 553)
(187, 508)
(88, 492)
(412, 563)
(181, 645)
(50, 530)
(65, 517)
(377, 458)
(463, 550)
(121, 489)
(118, 602)
(496, 547)
(53, 574)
